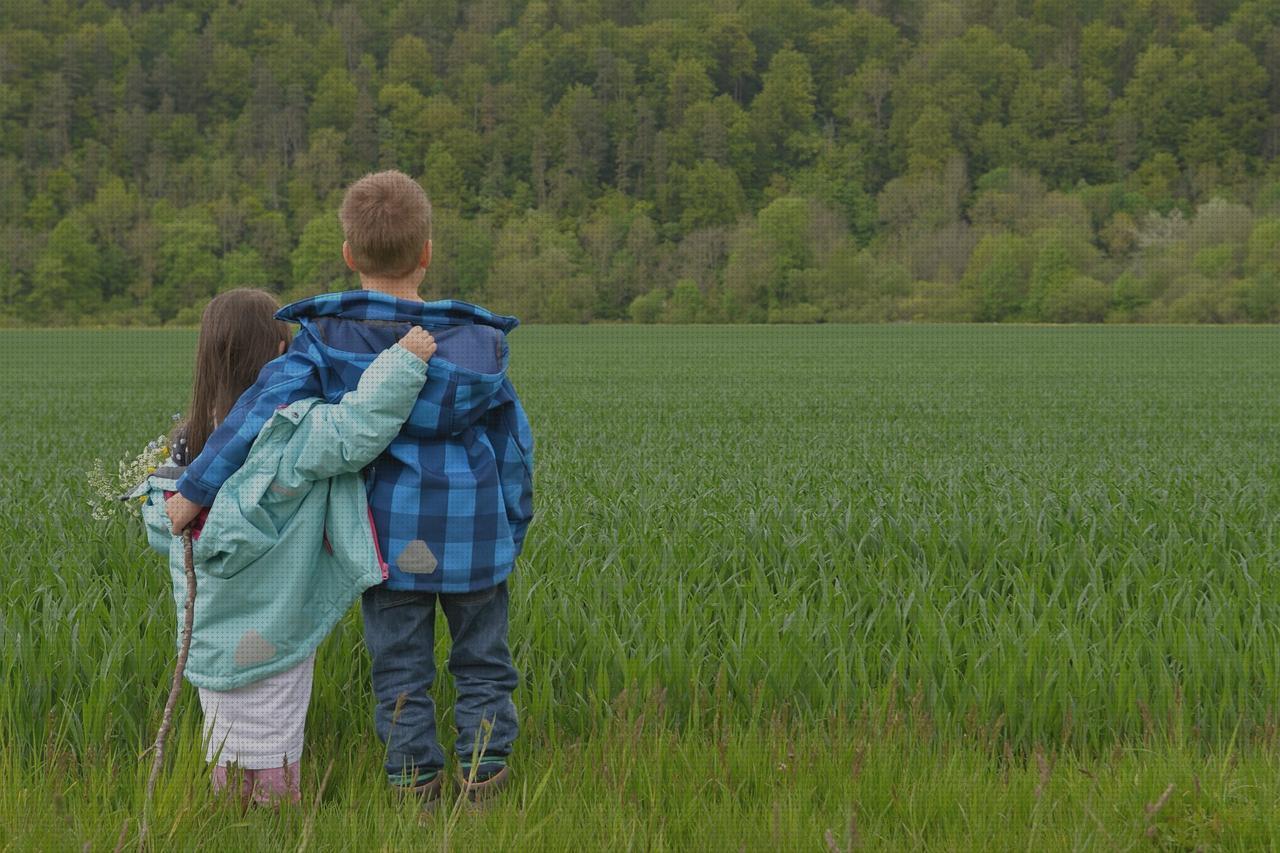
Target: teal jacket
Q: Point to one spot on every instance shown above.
(288, 543)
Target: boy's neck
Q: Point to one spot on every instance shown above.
(399, 288)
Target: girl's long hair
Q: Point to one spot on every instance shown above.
(238, 335)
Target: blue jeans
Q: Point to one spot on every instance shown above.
(399, 630)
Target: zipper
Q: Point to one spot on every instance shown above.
(377, 551)
(370, 474)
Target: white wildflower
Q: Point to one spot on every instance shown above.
(108, 491)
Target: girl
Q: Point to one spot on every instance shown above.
(287, 545)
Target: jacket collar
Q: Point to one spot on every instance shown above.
(374, 305)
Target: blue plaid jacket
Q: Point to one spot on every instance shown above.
(452, 495)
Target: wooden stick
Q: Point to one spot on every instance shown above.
(188, 616)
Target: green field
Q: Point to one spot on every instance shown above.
(786, 588)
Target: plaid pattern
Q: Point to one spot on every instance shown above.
(452, 495)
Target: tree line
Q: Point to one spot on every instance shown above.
(716, 161)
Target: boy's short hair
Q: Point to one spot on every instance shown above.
(386, 219)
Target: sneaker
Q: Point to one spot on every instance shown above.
(484, 780)
(425, 787)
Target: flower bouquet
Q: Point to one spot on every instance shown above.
(110, 491)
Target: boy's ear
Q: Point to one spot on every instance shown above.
(425, 260)
(346, 256)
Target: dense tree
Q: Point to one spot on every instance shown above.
(188, 269)
(782, 115)
(709, 194)
(409, 62)
(998, 273)
(318, 257)
(766, 160)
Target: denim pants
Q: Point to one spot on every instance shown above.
(399, 630)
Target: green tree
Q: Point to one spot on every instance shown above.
(334, 102)
(1171, 90)
(317, 262)
(687, 84)
(998, 273)
(69, 274)
(686, 304)
(536, 272)
(929, 144)
(188, 268)
(853, 286)
(1262, 256)
(443, 177)
(733, 52)
(243, 267)
(1054, 269)
(667, 142)
(114, 210)
(709, 195)
(1077, 300)
(763, 256)
(267, 231)
(462, 253)
(748, 273)
(409, 62)
(846, 44)
(971, 80)
(782, 115)
(785, 225)
(228, 82)
(837, 178)
(647, 307)
(406, 122)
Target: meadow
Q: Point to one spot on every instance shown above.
(822, 588)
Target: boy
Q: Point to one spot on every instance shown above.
(449, 500)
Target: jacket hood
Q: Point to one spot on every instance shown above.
(374, 305)
(343, 332)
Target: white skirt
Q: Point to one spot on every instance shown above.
(260, 725)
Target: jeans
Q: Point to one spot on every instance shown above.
(399, 630)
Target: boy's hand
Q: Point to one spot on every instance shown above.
(420, 343)
(181, 512)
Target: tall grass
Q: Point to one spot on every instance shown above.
(1058, 538)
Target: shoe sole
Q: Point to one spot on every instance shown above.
(428, 794)
(478, 792)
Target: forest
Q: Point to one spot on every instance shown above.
(605, 160)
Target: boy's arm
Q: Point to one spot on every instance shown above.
(524, 503)
(346, 436)
(509, 434)
(290, 377)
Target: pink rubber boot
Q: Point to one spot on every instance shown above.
(267, 787)
(277, 785)
(223, 776)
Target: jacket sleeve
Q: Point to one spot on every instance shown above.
(330, 439)
(337, 438)
(155, 520)
(287, 379)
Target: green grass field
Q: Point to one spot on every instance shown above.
(811, 588)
